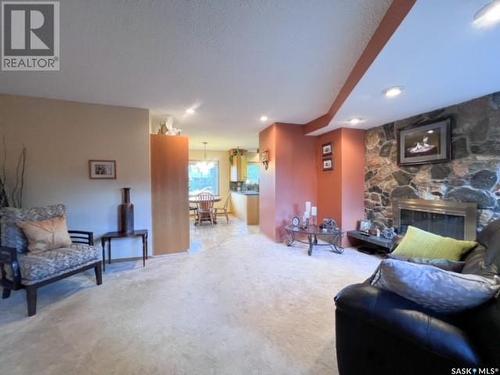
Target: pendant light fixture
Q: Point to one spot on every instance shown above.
(204, 166)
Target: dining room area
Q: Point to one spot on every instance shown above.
(219, 183)
(201, 195)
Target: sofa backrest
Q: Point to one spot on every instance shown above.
(11, 235)
(490, 238)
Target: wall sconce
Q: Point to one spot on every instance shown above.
(264, 159)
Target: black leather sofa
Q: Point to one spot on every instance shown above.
(379, 332)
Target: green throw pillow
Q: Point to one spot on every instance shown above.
(421, 244)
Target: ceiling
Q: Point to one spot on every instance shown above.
(439, 58)
(233, 60)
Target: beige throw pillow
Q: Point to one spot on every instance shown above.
(46, 234)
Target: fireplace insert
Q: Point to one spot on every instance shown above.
(446, 218)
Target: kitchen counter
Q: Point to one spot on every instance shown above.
(245, 192)
(245, 206)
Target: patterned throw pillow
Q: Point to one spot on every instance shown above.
(434, 288)
(11, 235)
(46, 234)
(418, 243)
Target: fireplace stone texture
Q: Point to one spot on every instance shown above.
(473, 175)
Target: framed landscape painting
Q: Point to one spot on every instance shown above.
(425, 143)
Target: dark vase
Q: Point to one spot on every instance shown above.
(126, 213)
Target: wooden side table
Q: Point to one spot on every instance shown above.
(107, 237)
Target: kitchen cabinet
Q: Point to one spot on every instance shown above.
(245, 206)
(239, 168)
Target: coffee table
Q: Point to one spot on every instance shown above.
(313, 232)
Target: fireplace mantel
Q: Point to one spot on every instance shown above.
(441, 208)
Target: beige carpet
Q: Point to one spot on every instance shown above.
(237, 304)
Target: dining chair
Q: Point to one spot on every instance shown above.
(224, 210)
(193, 211)
(206, 207)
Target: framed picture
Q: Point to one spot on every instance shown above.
(296, 221)
(425, 143)
(329, 223)
(102, 169)
(326, 149)
(365, 225)
(327, 164)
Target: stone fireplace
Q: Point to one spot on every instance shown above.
(472, 175)
(446, 218)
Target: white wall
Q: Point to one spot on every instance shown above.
(61, 137)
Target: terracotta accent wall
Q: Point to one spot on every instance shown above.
(290, 180)
(340, 192)
(330, 182)
(267, 204)
(353, 178)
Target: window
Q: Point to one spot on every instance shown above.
(253, 173)
(201, 180)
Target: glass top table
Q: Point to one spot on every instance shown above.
(332, 237)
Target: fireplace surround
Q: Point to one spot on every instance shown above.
(446, 218)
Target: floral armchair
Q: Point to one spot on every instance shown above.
(21, 269)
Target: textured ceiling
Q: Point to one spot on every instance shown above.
(437, 55)
(234, 59)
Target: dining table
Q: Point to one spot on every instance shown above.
(194, 199)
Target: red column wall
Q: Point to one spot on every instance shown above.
(267, 197)
(295, 176)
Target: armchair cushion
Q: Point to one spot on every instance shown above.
(11, 235)
(37, 267)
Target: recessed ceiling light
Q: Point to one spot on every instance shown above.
(393, 91)
(488, 15)
(263, 118)
(430, 131)
(190, 111)
(355, 121)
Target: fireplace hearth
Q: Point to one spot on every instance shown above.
(446, 218)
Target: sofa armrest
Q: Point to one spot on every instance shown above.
(81, 236)
(408, 321)
(8, 258)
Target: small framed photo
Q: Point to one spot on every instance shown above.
(365, 225)
(102, 169)
(327, 164)
(296, 221)
(326, 149)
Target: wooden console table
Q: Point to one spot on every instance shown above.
(107, 237)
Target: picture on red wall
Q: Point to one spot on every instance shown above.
(326, 149)
(327, 164)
